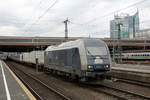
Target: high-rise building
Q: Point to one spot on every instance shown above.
(130, 25)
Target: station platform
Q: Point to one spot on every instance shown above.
(133, 72)
(11, 88)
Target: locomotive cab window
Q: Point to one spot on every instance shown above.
(96, 51)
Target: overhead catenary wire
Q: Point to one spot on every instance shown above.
(104, 16)
(88, 25)
(46, 11)
(113, 12)
(82, 24)
(34, 10)
(43, 14)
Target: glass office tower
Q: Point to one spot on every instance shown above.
(130, 25)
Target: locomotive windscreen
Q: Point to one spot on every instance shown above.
(96, 51)
(95, 47)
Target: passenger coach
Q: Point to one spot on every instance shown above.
(82, 59)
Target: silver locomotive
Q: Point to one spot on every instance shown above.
(82, 59)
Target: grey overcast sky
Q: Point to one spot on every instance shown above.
(45, 17)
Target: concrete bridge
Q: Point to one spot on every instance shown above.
(23, 44)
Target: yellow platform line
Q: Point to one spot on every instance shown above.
(31, 97)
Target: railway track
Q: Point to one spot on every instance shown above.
(39, 89)
(124, 94)
(143, 84)
(101, 88)
(121, 94)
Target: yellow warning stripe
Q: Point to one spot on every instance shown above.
(31, 97)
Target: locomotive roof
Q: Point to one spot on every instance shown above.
(73, 44)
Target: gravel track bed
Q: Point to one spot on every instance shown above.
(129, 87)
(68, 88)
(41, 90)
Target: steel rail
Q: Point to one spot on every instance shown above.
(95, 87)
(42, 83)
(38, 97)
(144, 84)
(126, 91)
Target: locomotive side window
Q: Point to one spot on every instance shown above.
(68, 57)
(61, 54)
(76, 63)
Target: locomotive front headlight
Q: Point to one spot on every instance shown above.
(90, 67)
(107, 66)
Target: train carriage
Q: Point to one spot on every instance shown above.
(136, 56)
